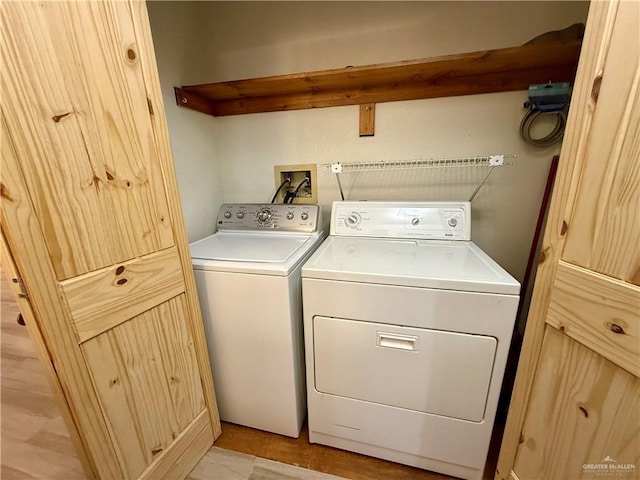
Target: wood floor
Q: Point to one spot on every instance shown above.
(35, 443)
(316, 457)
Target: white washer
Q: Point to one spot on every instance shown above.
(248, 280)
(407, 329)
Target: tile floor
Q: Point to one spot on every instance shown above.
(229, 465)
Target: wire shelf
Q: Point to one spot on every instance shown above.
(490, 161)
(483, 161)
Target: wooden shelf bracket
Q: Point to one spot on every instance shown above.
(367, 119)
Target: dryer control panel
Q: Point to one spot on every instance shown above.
(272, 217)
(419, 220)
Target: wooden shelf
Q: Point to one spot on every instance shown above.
(488, 71)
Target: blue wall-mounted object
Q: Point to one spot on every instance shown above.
(549, 97)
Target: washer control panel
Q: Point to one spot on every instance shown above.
(420, 220)
(274, 217)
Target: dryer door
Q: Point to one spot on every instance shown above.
(431, 371)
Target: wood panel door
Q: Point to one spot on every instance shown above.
(92, 220)
(575, 410)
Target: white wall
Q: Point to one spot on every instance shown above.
(177, 33)
(252, 39)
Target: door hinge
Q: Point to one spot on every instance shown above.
(23, 293)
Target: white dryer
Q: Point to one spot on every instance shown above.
(248, 280)
(407, 329)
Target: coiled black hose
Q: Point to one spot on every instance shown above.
(553, 137)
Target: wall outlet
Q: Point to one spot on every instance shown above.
(307, 192)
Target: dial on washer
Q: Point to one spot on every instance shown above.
(264, 215)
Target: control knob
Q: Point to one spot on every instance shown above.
(352, 220)
(452, 222)
(304, 215)
(415, 221)
(264, 215)
(227, 214)
(240, 214)
(289, 215)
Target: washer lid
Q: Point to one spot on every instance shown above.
(267, 253)
(450, 265)
(238, 247)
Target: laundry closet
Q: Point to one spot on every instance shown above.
(232, 158)
(108, 275)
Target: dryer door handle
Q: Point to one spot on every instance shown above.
(397, 341)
